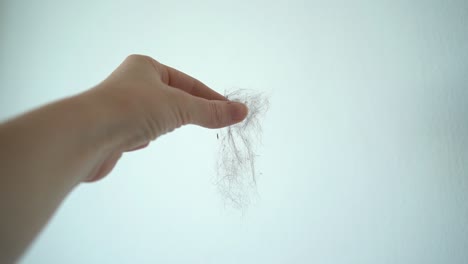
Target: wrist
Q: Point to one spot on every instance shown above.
(112, 118)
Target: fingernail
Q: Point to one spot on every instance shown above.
(238, 111)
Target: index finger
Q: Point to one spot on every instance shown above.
(185, 82)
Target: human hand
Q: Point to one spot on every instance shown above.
(46, 152)
(145, 99)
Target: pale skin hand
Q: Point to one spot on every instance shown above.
(47, 152)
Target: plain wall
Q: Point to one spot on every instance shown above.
(365, 146)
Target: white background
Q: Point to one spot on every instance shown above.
(365, 146)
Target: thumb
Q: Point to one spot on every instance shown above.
(215, 113)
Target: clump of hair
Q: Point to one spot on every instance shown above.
(236, 173)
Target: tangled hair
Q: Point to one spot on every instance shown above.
(236, 176)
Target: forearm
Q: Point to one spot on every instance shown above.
(43, 155)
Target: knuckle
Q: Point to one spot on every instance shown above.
(216, 113)
(139, 57)
(144, 60)
(133, 57)
(183, 116)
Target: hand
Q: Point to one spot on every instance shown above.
(48, 151)
(147, 99)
